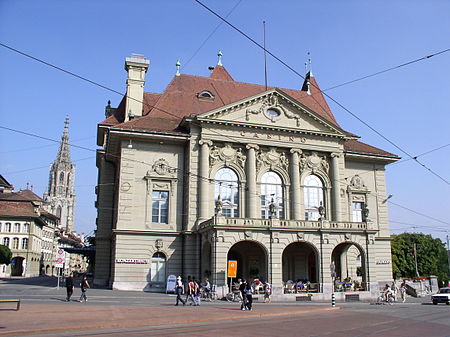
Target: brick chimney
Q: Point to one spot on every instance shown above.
(136, 66)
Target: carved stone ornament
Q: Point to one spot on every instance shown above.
(357, 184)
(272, 159)
(300, 236)
(314, 162)
(159, 244)
(162, 167)
(270, 102)
(227, 155)
(348, 237)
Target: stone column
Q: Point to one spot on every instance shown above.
(252, 199)
(336, 199)
(204, 201)
(296, 212)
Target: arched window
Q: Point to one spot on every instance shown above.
(313, 190)
(227, 188)
(17, 227)
(15, 243)
(61, 178)
(58, 212)
(26, 227)
(8, 227)
(158, 269)
(272, 192)
(6, 242)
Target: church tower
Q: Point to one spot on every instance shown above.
(60, 196)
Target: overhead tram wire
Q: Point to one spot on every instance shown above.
(162, 110)
(327, 95)
(209, 36)
(387, 70)
(270, 53)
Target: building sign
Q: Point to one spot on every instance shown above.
(232, 268)
(132, 261)
(383, 262)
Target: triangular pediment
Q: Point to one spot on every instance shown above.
(272, 109)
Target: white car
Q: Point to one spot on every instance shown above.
(443, 296)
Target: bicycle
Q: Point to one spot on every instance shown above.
(208, 294)
(382, 299)
(234, 296)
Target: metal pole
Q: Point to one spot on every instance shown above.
(415, 259)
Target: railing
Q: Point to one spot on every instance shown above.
(221, 221)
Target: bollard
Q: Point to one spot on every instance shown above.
(333, 300)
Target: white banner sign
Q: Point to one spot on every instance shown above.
(60, 258)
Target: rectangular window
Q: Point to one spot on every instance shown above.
(160, 207)
(357, 207)
(6, 242)
(24, 243)
(15, 243)
(8, 227)
(17, 227)
(25, 228)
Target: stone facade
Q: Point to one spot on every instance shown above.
(264, 177)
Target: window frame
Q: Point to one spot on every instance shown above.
(159, 201)
(230, 206)
(266, 197)
(312, 194)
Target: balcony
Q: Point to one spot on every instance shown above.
(218, 221)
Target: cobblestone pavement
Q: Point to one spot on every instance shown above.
(44, 312)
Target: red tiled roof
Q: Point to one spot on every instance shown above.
(353, 145)
(24, 195)
(17, 208)
(220, 73)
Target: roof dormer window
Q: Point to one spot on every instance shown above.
(205, 94)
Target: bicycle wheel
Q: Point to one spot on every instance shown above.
(229, 297)
(213, 296)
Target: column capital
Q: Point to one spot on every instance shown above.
(294, 150)
(252, 146)
(335, 154)
(205, 142)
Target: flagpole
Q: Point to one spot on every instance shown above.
(415, 259)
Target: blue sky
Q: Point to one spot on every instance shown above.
(346, 39)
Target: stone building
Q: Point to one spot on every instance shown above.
(213, 170)
(60, 196)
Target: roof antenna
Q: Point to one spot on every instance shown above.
(219, 55)
(178, 64)
(265, 55)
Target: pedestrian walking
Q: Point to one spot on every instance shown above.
(179, 289)
(267, 292)
(69, 286)
(242, 287)
(197, 293)
(84, 284)
(249, 296)
(403, 291)
(191, 292)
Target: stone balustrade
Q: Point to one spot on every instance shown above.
(248, 223)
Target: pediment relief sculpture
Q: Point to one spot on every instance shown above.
(272, 109)
(161, 167)
(271, 159)
(314, 162)
(227, 155)
(357, 184)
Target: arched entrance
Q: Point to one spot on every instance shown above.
(349, 260)
(300, 263)
(17, 266)
(251, 260)
(206, 260)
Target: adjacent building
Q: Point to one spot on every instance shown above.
(215, 170)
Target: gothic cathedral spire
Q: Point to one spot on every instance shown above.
(60, 196)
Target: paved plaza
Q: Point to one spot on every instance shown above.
(44, 312)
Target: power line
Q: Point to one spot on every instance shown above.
(325, 94)
(209, 36)
(388, 69)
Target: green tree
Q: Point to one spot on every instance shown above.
(5, 255)
(431, 256)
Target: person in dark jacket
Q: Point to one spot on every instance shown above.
(242, 287)
(69, 286)
(84, 286)
(249, 296)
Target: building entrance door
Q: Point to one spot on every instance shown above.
(251, 260)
